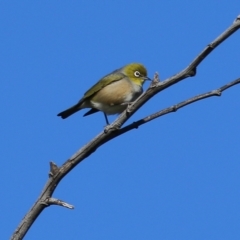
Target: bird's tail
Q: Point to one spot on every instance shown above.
(69, 111)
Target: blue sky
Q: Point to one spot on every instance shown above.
(174, 178)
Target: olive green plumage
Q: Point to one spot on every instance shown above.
(112, 93)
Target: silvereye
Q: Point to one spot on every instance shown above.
(112, 93)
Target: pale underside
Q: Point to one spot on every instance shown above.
(113, 98)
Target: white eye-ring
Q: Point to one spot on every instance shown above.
(137, 74)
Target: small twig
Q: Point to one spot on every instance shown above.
(155, 80)
(54, 201)
(54, 169)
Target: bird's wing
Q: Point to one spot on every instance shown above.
(110, 78)
(91, 111)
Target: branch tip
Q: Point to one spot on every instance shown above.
(155, 80)
(54, 169)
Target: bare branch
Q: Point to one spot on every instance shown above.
(174, 108)
(187, 72)
(57, 173)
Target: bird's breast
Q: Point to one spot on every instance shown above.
(112, 97)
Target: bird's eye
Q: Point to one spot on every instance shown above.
(137, 74)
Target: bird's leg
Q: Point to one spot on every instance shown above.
(105, 115)
(110, 127)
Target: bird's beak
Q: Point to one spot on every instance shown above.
(147, 78)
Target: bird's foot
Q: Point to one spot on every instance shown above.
(111, 128)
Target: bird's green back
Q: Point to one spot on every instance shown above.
(108, 79)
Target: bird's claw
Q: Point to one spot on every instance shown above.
(111, 128)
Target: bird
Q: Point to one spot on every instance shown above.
(112, 93)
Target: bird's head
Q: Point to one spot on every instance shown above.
(136, 72)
